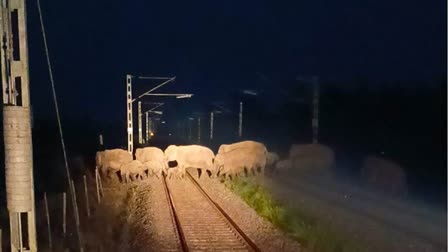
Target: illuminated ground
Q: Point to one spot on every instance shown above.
(380, 223)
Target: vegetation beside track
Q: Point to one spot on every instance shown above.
(300, 225)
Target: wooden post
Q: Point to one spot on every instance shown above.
(86, 196)
(101, 185)
(76, 212)
(97, 179)
(64, 214)
(47, 213)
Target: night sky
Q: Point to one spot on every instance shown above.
(217, 46)
(382, 66)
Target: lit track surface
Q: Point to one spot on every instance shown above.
(201, 224)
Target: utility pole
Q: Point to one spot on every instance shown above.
(240, 125)
(211, 125)
(129, 114)
(315, 121)
(150, 92)
(154, 126)
(190, 121)
(147, 126)
(17, 126)
(140, 132)
(151, 127)
(199, 129)
(101, 141)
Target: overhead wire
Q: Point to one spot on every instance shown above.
(67, 170)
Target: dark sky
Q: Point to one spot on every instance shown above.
(219, 45)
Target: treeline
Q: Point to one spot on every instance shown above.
(404, 123)
(408, 124)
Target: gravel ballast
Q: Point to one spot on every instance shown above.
(262, 232)
(153, 218)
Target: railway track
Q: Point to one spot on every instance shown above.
(201, 224)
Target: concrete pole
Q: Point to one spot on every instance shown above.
(199, 129)
(17, 125)
(189, 129)
(315, 121)
(130, 128)
(147, 126)
(151, 126)
(211, 125)
(154, 126)
(240, 125)
(140, 132)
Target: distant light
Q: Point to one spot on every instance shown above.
(151, 134)
(163, 121)
(190, 118)
(129, 130)
(169, 134)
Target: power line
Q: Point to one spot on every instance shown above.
(67, 170)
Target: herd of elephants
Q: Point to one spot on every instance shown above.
(243, 158)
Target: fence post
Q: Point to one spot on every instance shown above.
(75, 206)
(64, 214)
(101, 185)
(86, 195)
(47, 213)
(97, 186)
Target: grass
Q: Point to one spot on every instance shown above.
(300, 225)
